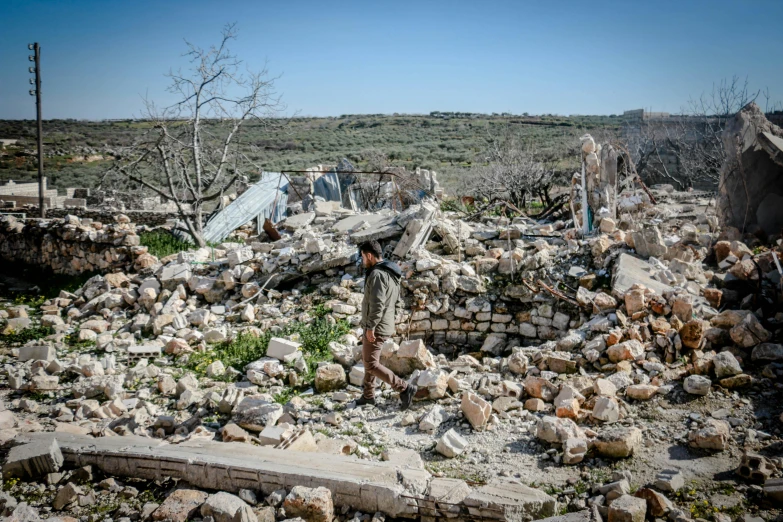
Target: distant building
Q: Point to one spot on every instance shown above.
(641, 114)
(6, 142)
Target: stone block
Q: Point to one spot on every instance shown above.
(311, 504)
(628, 509)
(225, 507)
(329, 377)
(282, 349)
(619, 442)
(37, 353)
(180, 506)
(714, 435)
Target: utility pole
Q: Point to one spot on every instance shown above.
(37, 93)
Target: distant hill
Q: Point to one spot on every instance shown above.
(77, 152)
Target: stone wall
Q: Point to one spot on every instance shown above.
(70, 246)
(139, 217)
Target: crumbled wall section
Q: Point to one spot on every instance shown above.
(69, 246)
(751, 182)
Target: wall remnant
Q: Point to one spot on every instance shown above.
(751, 180)
(70, 246)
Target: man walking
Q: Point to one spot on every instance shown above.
(381, 291)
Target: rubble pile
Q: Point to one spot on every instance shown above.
(658, 337)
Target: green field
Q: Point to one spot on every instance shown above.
(447, 142)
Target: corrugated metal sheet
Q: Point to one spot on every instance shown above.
(258, 200)
(328, 187)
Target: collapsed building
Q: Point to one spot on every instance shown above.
(641, 336)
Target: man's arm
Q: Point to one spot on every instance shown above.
(376, 296)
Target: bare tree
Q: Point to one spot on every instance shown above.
(691, 142)
(508, 170)
(193, 153)
(373, 186)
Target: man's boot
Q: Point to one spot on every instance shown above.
(406, 396)
(361, 401)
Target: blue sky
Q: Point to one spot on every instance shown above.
(339, 57)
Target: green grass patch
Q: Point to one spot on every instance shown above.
(162, 243)
(314, 336)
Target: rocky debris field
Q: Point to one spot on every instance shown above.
(633, 374)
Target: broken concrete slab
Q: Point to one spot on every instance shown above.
(356, 222)
(363, 485)
(514, 500)
(416, 233)
(298, 221)
(630, 270)
(383, 228)
(33, 460)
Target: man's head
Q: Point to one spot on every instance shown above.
(371, 253)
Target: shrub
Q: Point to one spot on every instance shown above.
(162, 243)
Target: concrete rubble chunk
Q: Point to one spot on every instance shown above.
(225, 507)
(715, 434)
(557, 430)
(515, 500)
(630, 271)
(628, 508)
(329, 377)
(451, 444)
(697, 385)
(574, 450)
(606, 409)
(475, 409)
(755, 468)
(256, 412)
(310, 504)
(282, 349)
(619, 442)
(626, 351)
(33, 460)
(749, 332)
(726, 365)
(407, 357)
(669, 480)
(66, 495)
(432, 419)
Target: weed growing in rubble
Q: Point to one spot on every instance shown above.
(72, 340)
(21, 337)
(162, 243)
(237, 353)
(314, 336)
(286, 395)
(34, 301)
